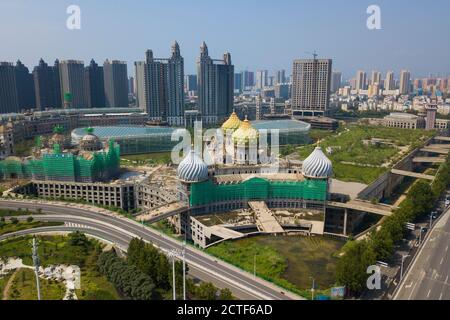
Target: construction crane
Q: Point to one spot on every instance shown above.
(314, 54)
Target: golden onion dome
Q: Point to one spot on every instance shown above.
(233, 122)
(245, 133)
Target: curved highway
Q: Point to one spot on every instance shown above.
(120, 241)
(109, 226)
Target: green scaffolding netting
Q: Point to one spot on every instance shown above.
(60, 166)
(257, 189)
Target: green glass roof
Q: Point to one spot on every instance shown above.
(282, 124)
(120, 132)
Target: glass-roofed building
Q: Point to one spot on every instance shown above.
(133, 140)
(138, 139)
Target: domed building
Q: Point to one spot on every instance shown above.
(233, 123)
(245, 140)
(59, 138)
(192, 169)
(90, 142)
(240, 143)
(317, 165)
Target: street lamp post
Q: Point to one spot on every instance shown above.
(173, 278)
(36, 267)
(173, 254)
(184, 268)
(420, 235)
(313, 288)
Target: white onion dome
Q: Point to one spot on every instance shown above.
(245, 133)
(192, 168)
(317, 165)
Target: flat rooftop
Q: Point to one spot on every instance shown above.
(352, 189)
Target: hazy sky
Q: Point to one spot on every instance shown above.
(259, 34)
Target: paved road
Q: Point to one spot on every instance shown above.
(119, 240)
(122, 242)
(428, 278)
(203, 266)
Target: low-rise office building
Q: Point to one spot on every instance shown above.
(404, 121)
(117, 194)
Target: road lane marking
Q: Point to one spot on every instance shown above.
(428, 295)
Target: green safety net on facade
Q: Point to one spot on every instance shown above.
(58, 166)
(257, 189)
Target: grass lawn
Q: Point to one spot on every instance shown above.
(55, 250)
(316, 134)
(286, 261)
(24, 225)
(3, 281)
(24, 287)
(94, 285)
(351, 173)
(165, 227)
(148, 158)
(355, 161)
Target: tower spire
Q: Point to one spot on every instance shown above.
(175, 49)
(204, 49)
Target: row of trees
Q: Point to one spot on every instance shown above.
(352, 267)
(146, 274)
(155, 264)
(128, 279)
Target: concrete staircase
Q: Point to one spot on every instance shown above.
(265, 220)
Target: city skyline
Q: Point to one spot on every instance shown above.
(244, 37)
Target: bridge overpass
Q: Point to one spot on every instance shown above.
(429, 160)
(442, 151)
(412, 174)
(364, 206)
(439, 146)
(161, 213)
(442, 138)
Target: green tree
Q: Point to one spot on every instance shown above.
(152, 262)
(206, 291)
(128, 279)
(351, 269)
(421, 196)
(225, 294)
(78, 239)
(382, 244)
